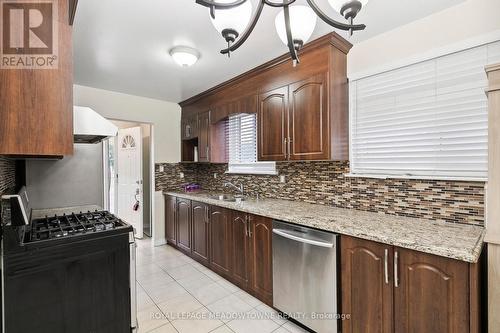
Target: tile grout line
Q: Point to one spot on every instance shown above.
(192, 263)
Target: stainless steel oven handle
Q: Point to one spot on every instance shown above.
(133, 287)
(285, 234)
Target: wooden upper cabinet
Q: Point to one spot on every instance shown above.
(200, 232)
(273, 125)
(204, 137)
(261, 254)
(248, 104)
(432, 295)
(308, 119)
(366, 286)
(36, 105)
(189, 127)
(220, 240)
(240, 248)
(293, 122)
(184, 225)
(170, 220)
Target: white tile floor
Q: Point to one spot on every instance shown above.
(177, 294)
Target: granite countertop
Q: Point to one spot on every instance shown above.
(40, 213)
(456, 241)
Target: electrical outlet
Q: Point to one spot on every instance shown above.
(215, 176)
(181, 175)
(282, 179)
(162, 168)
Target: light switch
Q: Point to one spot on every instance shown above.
(215, 175)
(181, 175)
(162, 168)
(282, 179)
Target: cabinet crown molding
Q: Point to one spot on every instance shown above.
(332, 39)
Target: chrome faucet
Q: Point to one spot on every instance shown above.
(238, 188)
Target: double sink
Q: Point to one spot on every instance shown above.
(228, 197)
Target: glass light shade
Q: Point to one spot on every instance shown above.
(337, 4)
(184, 56)
(302, 23)
(236, 18)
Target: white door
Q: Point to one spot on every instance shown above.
(130, 203)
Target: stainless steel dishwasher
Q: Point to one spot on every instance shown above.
(305, 275)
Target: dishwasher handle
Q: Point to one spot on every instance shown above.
(285, 234)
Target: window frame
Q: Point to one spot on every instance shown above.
(249, 168)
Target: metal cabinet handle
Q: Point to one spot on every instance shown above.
(386, 266)
(396, 264)
(286, 147)
(206, 214)
(248, 226)
(208, 152)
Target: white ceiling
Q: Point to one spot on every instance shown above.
(122, 45)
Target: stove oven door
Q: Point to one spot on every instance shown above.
(70, 286)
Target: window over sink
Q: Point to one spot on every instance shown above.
(241, 131)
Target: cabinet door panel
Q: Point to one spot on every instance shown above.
(204, 137)
(36, 105)
(200, 232)
(184, 225)
(432, 296)
(239, 249)
(366, 295)
(220, 240)
(273, 125)
(309, 119)
(170, 221)
(261, 262)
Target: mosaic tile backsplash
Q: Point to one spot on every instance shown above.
(7, 175)
(325, 183)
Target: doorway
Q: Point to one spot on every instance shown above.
(128, 175)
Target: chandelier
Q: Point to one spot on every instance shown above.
(294, 23)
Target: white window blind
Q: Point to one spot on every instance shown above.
(242, 138)
(241, 131)
(429, 119)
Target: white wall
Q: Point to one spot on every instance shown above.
(453, 25)
(165, 116)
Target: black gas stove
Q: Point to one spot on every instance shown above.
(74, 224)
(56, 265)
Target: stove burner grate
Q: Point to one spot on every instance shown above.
(73, 224)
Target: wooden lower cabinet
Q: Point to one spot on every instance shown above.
(261, 252)
(240, 247)
(388, 289)
(170, 220)
(183, 215)
(200, 232)
(233, 244)
(220, 240)
(366, 294)
(431, 295)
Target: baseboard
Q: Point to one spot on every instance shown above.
(159, 242)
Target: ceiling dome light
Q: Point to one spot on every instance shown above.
(232, 22)
(302, 24)
(184, 56)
